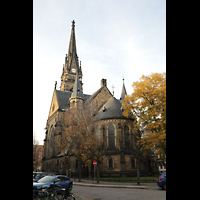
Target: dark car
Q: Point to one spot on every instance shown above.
(38, 175)
(161, 181)
(44, 183)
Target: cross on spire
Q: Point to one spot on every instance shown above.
(113, 87)
(73, 24)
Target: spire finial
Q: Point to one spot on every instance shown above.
(73, 24)
(55, 84)
(113, 87)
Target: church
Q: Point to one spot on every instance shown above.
(119, 159)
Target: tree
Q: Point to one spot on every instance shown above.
(72, 141)
(37, 153)
(147, 104)
(94, 147)
(80, 136)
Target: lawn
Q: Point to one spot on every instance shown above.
(129, 179)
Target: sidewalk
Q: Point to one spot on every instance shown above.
(89, 183)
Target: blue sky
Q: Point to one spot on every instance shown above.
(114, 38)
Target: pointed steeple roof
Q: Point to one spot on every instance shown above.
(72, 43)
(77, 92)
(123, 93)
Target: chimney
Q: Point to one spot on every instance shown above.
(103, 82)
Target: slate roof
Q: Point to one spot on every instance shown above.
(77, 92)
(64, 96)
(111, 109)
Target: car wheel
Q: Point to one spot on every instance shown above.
(164, 187)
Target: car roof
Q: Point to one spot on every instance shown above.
(45, 172)
(58, 176)
(61, 175)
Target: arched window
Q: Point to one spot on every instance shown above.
(133, 163)
(98, 133)
(111, 135)
(110, 163)
(104, 133)
(126, 136)
(51, 141)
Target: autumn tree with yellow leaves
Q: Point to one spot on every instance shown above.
(147, 104)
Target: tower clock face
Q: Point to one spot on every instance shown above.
(73, 70)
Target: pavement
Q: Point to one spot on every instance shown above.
(89, 183)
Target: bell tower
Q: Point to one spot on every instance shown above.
(71, 66)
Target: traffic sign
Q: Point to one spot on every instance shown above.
(94, 163)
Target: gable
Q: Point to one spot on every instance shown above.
(100, 97)
(54, 104)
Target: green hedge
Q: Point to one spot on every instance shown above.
(129, 179)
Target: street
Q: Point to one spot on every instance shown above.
(98, 193)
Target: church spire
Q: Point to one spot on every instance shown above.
(123, 93)
(71, 65)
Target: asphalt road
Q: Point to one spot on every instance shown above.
(97, 193)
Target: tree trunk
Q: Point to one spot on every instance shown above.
(89, 168)
(138, 170)
(79, 171)
(97, 173)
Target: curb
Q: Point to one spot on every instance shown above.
(109, 186)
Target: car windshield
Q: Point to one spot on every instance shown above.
(46, 179)
(38, 176)
(34, 174)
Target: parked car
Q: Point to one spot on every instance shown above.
(38, 175)
(34, 174)
(44, 183)
(161, 181)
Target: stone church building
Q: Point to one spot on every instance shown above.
(119, 159)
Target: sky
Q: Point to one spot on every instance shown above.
(114, 39)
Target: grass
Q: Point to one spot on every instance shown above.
(129, 179)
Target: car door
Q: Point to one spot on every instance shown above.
(61, 182)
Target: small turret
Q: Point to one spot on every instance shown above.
(77, 97)
(123, 93)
